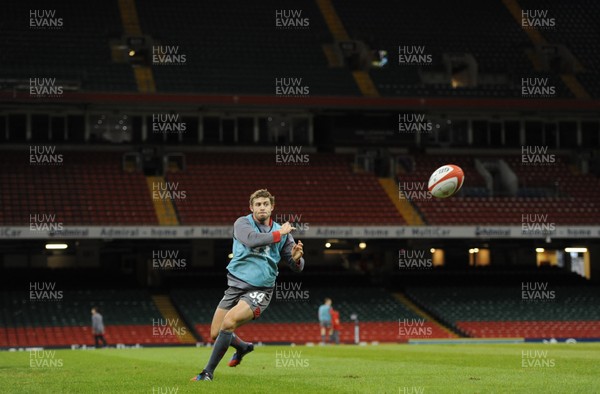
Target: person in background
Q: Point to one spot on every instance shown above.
(325, 319)
(335, 326)
(98, 328)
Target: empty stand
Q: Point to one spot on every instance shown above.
(503, 312)
(325, 191)
(574, 201)
(577, 29)
(130, 317)
(77, 51)
(250, 42)
(87, 188)
(485, 30)
(531, 329)
(295, 320)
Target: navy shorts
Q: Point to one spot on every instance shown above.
(257, 299)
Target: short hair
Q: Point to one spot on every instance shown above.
(327, 299)
(262, 193)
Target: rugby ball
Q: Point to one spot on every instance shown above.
(446, 181)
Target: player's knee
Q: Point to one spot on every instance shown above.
(229, 324)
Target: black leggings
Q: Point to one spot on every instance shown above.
(99, 337)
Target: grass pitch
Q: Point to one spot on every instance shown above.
(398, 369)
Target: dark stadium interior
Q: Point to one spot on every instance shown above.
(125, 102)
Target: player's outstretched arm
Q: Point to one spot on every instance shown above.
(245, 233)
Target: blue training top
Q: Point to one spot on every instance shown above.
(324, 313)
(258, 265)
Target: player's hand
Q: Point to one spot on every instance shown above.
(297, 251)
(286, 228)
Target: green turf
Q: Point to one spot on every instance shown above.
(473, 368)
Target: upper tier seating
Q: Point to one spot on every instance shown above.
(486, 30)
(87, 188)
(234, 48)
(576, 26)
(576, 202)
(237, 48)
(78, 51)
(325, 191)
